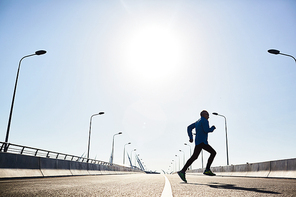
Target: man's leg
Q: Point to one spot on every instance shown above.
(213, 153)
(194, 156)
(196, 152)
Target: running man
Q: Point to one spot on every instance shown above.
(202, 129)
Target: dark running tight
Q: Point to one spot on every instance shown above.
(196, 152)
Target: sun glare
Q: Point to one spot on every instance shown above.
(152, 54)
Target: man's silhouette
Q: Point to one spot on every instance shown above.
(201, 142)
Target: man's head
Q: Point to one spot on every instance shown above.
(205, 114)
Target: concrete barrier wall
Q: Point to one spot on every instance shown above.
(79, 168)
(54, 167)
(283, 168)
(273, 169)
(239, 170)
(8, 160)
(15, 165)
(9, 165)
(258, 169)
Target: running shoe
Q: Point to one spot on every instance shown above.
(182, 176)
(209, 172)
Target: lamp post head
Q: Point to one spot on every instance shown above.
(101, 113)
(129, 143)
(119, 133)
(185, 144)
(40, 52)
(273, 51)
(215, 113)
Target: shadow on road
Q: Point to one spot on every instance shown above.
(234, 187)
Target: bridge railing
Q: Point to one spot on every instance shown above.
(30, 151)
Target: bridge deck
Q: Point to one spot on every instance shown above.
(146, 185)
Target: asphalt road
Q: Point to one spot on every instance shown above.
(147, 185)
(200, 185)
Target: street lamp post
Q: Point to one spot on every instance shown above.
(40, 52)
(225, 135)
(124, 152)
(179, 161)
(183, 157)
(89, 132)
(112, 152)
(276, 52)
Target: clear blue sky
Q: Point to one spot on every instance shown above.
(151, 66)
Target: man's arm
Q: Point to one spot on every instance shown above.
(206, 126)
(189, 131)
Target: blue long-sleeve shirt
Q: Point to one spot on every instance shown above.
(202, 129)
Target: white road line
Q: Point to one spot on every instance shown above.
(167, 190)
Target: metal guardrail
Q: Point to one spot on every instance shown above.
(30, 151)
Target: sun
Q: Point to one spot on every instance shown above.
(152, 53)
